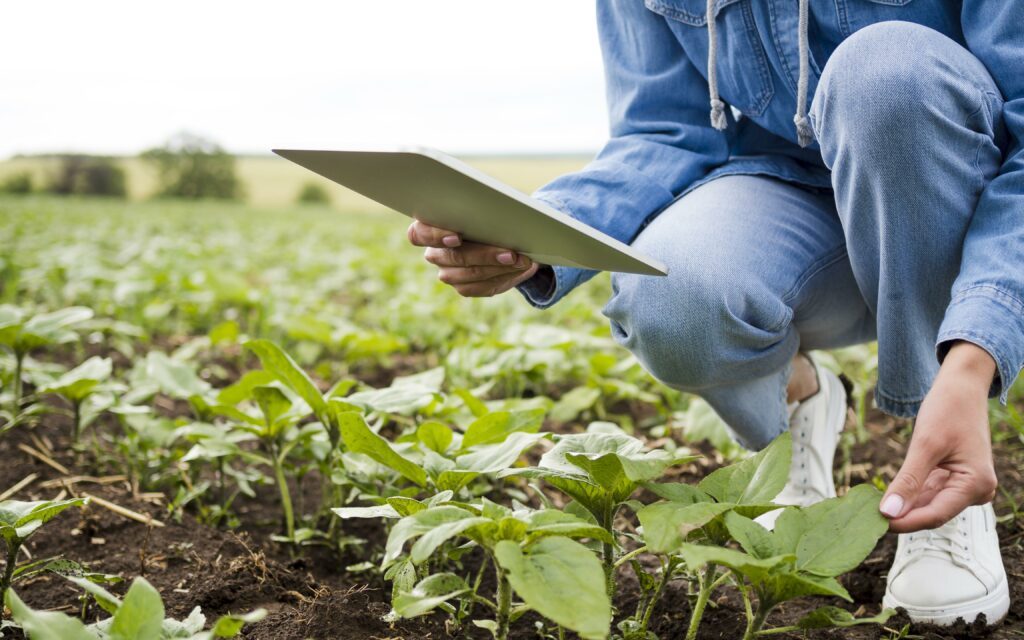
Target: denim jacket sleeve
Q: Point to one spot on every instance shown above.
(661, 138)
(987, 306)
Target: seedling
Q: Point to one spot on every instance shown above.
(18, 521)
(140, 615)
(77, 386)
(533, 554)
(22, 335)
(600, 471)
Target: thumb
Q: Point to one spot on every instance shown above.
(908, 483)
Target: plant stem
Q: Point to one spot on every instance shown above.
(755, 623)
(504, 599)
(707, 584)
(5, 584)
(76, 432)
(666, 575)
(286, 497)
(19, 359)
(629, 556)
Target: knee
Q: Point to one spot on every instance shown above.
(694, 329)
(884, 84)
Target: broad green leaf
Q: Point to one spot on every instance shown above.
(242, 389)
(575, 402)
(494, 428)
(19, 519)
(46, 625)
(453, 521)
(276, 361)
(474, 404)
(754, 538)
(141, 614)
(107, 601)
(497, 457)
(379, 511)
(435, 436)
(829, 617)
(358, 437)
(786, 585)
(755, 569)
(272, 402)
(77, 384)
(429, 593)
(562, 580)
(677, 492)
(175, 379)
(549, 522)
(757, 479)
(230, 625)
(854, 519)
(666, 524)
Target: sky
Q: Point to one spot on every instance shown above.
(465, 76)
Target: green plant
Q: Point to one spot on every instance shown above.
(77, 386)
(600, 471)
(138, 616)
(22, 334)
(799, 557)
(532, 553)
(313, 193)
(18, 521)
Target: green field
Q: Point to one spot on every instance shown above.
(272, 181)
(279, 408)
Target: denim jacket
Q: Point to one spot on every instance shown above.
(662, 143)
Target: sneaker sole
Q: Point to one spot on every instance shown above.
(994, 605)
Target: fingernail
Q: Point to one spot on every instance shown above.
(451, 241)
(506, 258)
(891, 506)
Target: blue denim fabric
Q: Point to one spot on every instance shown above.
(918, 114)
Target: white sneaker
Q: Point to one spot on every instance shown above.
(955, 571)
(815, 425)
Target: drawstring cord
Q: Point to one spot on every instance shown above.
(717, 106)
(804, 133)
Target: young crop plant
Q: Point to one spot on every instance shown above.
(78, 386)
(534, 554)
(697, 513)
(804, 554)
(600, 471)
(18, 521)
(22, 334)
(139, 615)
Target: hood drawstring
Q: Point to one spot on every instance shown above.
(804, 133)
(717, 106)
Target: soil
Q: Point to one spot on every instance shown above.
(312, 594)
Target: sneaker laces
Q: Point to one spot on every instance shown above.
(800, 490)
(950, 539)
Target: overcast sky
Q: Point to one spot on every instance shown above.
(461, 75)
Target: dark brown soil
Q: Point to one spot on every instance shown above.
(313, 596)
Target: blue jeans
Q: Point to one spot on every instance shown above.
(761, 269)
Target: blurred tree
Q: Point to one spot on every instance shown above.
(82, 175)
(190, 166)
(313, 193)
(19, 183)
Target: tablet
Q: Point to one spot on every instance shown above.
(433, 187)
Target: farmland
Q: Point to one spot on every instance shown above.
(276, 410)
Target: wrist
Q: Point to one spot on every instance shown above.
(967, 363)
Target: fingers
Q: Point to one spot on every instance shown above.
(495, 286)
(472, 254)
(909, 482)
(422, 234)
(943, 507)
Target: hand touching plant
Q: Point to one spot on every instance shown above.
(472, 269)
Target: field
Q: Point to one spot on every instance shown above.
(271, 408)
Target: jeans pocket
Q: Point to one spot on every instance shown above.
(744, 78)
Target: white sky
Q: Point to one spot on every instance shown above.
(461, 75)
